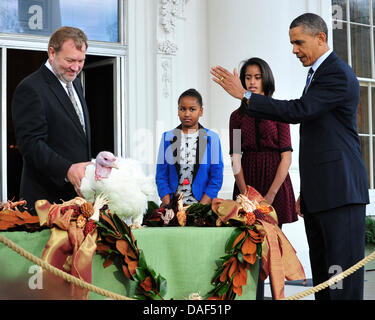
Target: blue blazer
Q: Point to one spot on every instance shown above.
(207, 173)
(332, 171)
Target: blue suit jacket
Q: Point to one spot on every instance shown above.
(332, 170)
(208, 171)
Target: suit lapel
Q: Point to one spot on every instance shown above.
(63, 98)
(329, 60)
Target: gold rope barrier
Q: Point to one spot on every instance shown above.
(60, 273)
(334, 279)
(109, 294)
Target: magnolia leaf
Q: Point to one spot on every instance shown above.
(106, 220)
(119, 225)
(156, 296)
(146, 284)
(139, 297)
(240, 256)
(142, 260)
(124, 231)
(107, 263)
(136, 278)
(226, 258)
(217, 275)
(229, 244)
(237, 244)
(223, 290)
(122, 246)
(105, 231)
(219, 263)
(151, 271)
(102, 247)
(126, 272)
(163, 286)
(132, 266)
(141, 274)
(249, 246)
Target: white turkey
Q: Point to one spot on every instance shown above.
(123, 182)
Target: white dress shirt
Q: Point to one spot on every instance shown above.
(48, 65)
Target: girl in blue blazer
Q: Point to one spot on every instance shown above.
(190, 157)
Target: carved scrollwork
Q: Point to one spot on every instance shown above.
(167, 47)
(170, 11)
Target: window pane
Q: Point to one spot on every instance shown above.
(363, 116)
(339, 10)
(97, 18)
(373, 11)
(373, 109)
(361, 61)
(360, 11)
(340, 41)
(366, 154)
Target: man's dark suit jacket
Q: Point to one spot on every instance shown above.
(332, 171)
(49, 136)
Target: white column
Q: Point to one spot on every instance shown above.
(140, 91)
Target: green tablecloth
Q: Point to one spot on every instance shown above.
(184, 256)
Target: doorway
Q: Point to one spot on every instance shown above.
(98, 83)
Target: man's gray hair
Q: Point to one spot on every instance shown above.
(312, 24)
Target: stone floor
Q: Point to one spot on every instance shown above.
(290, 289)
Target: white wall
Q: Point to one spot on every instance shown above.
(206, 33)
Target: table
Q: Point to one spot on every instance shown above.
(185, 256)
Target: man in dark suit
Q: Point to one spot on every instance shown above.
(51, 122)
(334, 187)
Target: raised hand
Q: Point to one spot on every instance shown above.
(231, 83)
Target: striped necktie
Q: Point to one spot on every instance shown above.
(75, 105)
(309, 77)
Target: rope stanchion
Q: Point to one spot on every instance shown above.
(333, 280)
(60, 273)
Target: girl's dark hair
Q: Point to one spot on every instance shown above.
(191, 93)
(268, 81)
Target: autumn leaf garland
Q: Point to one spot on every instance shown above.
(117, 241)
(242, 249)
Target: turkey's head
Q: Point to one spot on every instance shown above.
(104, 163)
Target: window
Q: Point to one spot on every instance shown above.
(98, 19)
(353, 40)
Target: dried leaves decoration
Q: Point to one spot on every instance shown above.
(117, 242)
(197, 215)
(242, 249)
(14, 219)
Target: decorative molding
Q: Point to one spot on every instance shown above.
(167, 47)
(170, 11)
(166, 77)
